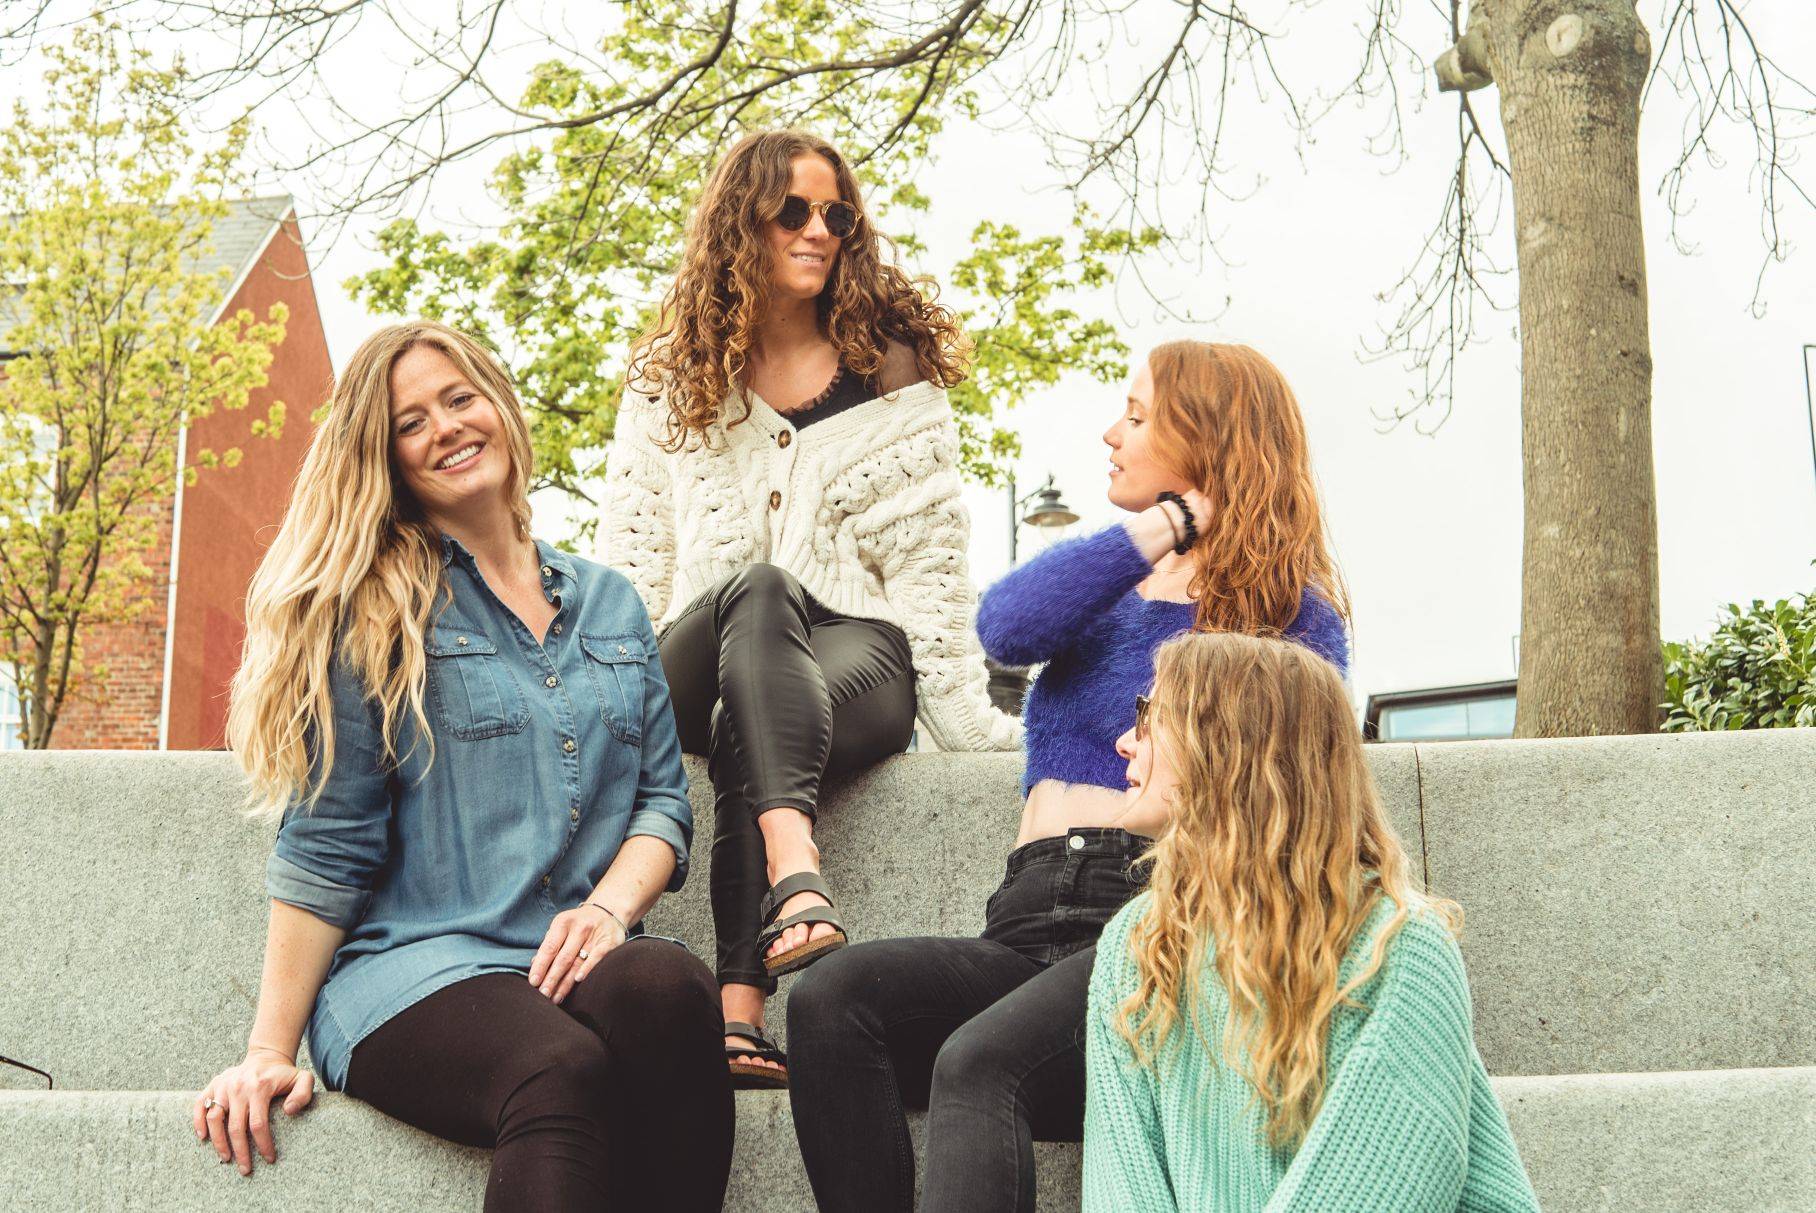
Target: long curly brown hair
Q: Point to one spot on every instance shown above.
(701, 340)
(1225, 419)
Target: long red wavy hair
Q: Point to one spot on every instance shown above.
(698, 347)
(1225, 419)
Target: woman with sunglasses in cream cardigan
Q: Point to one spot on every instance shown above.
(783, 492)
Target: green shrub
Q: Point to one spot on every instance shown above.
(1757, 671)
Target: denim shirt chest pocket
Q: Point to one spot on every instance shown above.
(475, 693)
(615, 664)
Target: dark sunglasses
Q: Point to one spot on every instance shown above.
(840, 218)
(1142, 704)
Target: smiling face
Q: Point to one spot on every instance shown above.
(801, 262)
(1151, 773)
(1137, 477)
(446, 437)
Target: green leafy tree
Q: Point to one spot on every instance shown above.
(596, 216)
(104, 320)
(1169, 83)
(1756, 671)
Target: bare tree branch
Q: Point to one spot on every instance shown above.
(1158, 131)
(1709, 56)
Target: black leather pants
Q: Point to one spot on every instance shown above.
(776, 691)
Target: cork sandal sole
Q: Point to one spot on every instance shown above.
(747, 1075)
(799, 958)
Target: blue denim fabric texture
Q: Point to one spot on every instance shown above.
(546, 758)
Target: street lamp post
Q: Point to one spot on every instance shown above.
(1050, 511)
(1809, 403)
(1009, 684)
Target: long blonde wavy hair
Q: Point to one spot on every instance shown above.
(1276, 853)
(1225, 419)
(699, 345)
(354, 573)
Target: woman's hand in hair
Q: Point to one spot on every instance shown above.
(234, 1111)
(1158, 529)
(576, 940)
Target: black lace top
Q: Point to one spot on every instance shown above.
(846, 390)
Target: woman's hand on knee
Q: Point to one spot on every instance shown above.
(575, 941)
(233, 1112)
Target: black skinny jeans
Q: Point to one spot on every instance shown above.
(987, 1034)
(618, 1099)
(777, 692)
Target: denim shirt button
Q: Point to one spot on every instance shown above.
(460, 640)
(568, 745)
(551, 681)
(556, 629)
(546, 571)
(545, 882)
(573, 814)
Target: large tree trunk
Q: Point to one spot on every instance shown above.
(1570, 74)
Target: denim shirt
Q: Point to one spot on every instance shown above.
(546, 758)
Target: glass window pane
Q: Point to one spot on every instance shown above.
(9, 715)
(1425, 722)
(1491, 717)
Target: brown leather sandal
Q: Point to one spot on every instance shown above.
(747, 1075)
(813, 949)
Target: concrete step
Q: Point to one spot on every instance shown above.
(1736, 1141)
(1632, 903)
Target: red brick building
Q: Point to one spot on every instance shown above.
(168, 670)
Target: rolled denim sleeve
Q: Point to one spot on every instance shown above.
(329, 853)
(662, 809)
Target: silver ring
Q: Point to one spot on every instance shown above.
(583, 953)
(211, 1105)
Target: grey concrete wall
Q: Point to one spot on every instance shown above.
(1733, 1142)
(135, 908)
(1632, 903)
(1737, 1141)
(135, 893)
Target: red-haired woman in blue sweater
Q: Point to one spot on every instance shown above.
(1225, 534)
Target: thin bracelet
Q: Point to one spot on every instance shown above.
(1173, 526)
(614, 916)
(1185, 513)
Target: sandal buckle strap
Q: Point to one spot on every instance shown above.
(812, 914)
(789, 886)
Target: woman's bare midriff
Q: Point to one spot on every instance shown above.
(1054, 807)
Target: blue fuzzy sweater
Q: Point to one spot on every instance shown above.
(1074, 607)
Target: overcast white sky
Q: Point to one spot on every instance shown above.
(1426, 528)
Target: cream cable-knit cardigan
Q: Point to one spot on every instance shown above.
(862, 508)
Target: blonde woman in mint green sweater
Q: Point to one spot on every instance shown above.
(1281, 1023)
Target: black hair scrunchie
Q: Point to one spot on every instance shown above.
(1191, 523)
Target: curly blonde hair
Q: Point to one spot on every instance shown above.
(1225, 420)
(1276, 854)
(354, 571)
(699, 345)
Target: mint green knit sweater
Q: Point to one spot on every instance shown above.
(1409, 1122)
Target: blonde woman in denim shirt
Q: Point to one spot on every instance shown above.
(471, 747)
